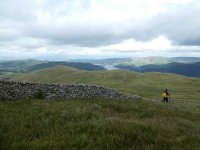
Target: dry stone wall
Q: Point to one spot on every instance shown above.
(17, 90)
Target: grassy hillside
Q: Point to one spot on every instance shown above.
(148, 85)
(98, 124)
(105, 124)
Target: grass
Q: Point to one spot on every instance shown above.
(149, 85)
(98, 124)
(105, 124)
(4, 75)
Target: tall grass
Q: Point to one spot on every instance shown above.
(105, 124)
(98, 124)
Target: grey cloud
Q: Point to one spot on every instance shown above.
(180, 24)
(7, 35)
(83, 35)
(20, 10)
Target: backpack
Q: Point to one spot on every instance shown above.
(164, 95)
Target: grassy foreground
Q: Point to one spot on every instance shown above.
(98, 124)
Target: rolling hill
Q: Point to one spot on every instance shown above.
(191, 70)
(32, 65)
(82, 66)
(148, 85)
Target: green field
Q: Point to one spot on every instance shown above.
(98, 124)
(105, 124)
(149, 85)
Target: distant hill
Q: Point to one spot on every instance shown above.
(140, 61)
(18, 65)
(91, 64)
(191, 70)
(82, 66)
(31, 65)
(148, 85)
(110, 61)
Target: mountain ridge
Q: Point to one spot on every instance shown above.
(190, 69)
(140, 61)
(32, 64)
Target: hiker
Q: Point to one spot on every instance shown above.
(165, 95)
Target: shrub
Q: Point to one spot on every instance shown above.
(39, 95)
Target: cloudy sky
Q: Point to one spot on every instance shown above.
(65, 29)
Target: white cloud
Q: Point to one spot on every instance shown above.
(159, 43)
(70, 28)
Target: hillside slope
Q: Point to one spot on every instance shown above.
(148, 85)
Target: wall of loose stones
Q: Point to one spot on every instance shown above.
(17, 90)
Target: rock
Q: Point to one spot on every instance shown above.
(16, 90)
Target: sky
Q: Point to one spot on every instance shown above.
(74, 29)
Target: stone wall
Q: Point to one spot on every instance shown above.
(18, 90)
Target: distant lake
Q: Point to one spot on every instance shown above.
(110, 67)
